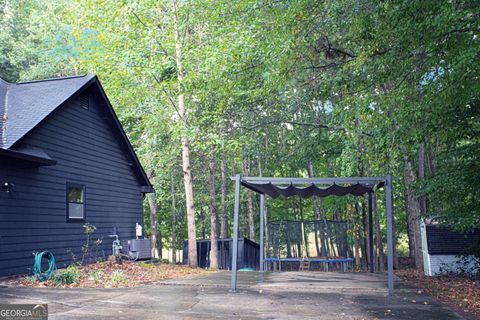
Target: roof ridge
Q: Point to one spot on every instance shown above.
(4, 86)
(52, 79)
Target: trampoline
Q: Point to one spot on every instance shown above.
(314, 187)
(315, 245)
(343, 265)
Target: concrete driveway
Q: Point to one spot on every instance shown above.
(287, 295)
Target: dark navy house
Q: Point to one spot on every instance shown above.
(64, 160)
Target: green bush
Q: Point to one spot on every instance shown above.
(95, 275)
(67, 276)
(118, 277)
(31, 279)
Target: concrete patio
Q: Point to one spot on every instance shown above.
(287, 295)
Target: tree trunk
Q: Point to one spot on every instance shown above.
(356, 235)
(267, 237)
(394, 240)
(411, 241)
(413, 211)
(432, 165)
(366, 235)
(154, 232)
(152, 203)
(362, 155)
(174, 223)
(187, 174)
(317, 214)
(213, 216)
(251, 222)
(297, 227)
(224, 220)
(202, 217)
(432, 168)
(378, 234)
(304, 231)
(422, 201)
(361, 235)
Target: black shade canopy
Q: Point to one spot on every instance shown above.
(275, 191)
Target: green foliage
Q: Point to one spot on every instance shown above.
(34, 41)
(90, 248)
(95, 275)
(353, 86)
(31, 279)
(118, 277)
(68, 276)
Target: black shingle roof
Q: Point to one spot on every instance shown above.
(443, 240)
(24, 105)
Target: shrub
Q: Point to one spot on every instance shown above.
(118, 277)
(95, 275)
(67, 276)
(31, 279)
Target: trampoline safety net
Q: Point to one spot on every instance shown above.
(295, 241)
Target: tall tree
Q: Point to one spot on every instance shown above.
(224, 175)
(251, 222)
(155, 234)
(187, 173)
(213, 216)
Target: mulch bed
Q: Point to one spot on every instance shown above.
(114, 275)
(461, 292)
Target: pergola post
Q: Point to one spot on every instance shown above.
(262, 218)
(236, 209)
(389, 210)
(371, 182)
(370, 232)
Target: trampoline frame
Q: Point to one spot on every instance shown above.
(385, 181)
(347, 263)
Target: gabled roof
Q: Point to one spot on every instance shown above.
(26, 104)
(23, 106)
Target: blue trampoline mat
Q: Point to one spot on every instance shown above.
(309, 260)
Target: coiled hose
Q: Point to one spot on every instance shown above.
(44, 275)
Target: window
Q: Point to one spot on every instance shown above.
(75, 202)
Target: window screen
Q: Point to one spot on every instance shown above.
(75, 202)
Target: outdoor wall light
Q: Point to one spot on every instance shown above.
(7, 186)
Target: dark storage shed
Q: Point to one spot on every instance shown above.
(248, 253)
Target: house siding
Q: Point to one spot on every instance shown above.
(33, 215)
(445, 264)
(438, 264)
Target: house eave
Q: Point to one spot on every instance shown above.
(147, 189)
(31, 159)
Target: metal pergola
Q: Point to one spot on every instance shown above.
(385, 181)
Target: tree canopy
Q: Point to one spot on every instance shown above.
(355, 88)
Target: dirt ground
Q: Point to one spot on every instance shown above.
(460, 292)
(111, 275)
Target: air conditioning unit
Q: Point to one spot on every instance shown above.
(137, 248)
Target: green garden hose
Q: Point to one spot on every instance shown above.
(37, 266)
